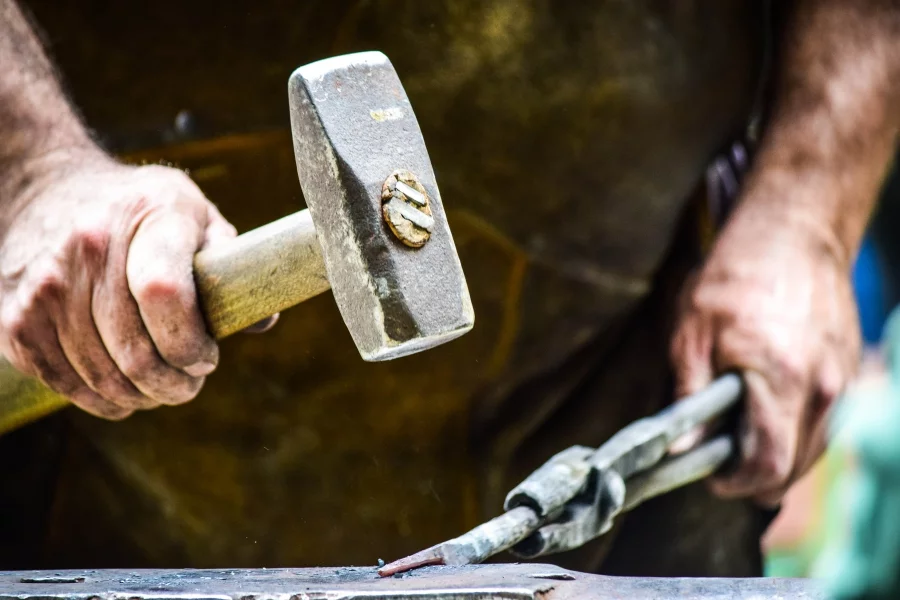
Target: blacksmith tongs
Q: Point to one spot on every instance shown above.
(575, 496)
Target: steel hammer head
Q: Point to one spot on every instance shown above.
(369, 185)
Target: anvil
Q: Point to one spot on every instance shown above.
(473, 582)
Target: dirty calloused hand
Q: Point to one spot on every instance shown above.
(774, 303)
(98, 297)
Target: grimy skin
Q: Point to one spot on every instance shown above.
(98, 301)
(774, 299)
(97, 296)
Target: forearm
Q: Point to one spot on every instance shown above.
(39, 128)
(833, 128)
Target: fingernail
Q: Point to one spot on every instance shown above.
(262, 326)
(200, 369)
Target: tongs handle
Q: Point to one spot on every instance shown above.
(711, 402)
(700, 462)
(644, 443)
(679, 470)
(579, 492)
(636, 448)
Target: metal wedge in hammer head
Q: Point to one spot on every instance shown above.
(370, 187)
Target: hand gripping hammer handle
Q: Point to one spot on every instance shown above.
(239, 283)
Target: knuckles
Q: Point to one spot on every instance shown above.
(89, 241)
(142, 368)
(790, 370)
(775, 468)
(162, 186)
(15, 326)
(137, 365)
(113, 387)
(41, 287)
(44, 284)
(830, 388)
(161, 287)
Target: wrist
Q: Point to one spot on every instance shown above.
(26, 176)
(42, 134)
(795, 209)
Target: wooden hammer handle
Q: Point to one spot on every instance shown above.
(260, 273)
(239, 283)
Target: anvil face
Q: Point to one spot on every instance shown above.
(479, 582)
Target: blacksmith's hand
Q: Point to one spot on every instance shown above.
(775, 303)
(98, 297)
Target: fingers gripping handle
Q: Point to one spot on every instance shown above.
(718, 398)
(260, 273)
(240, 282)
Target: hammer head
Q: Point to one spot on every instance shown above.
(353, 130)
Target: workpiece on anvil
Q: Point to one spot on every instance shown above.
(577, 494)
(474, 547)
(482, 582)
(375, 231)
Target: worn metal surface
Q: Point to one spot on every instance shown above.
(353, 127)
(406, 208)
(485, 582)
(576, 495)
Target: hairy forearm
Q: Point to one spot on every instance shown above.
(833, 127)
(39, 128)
